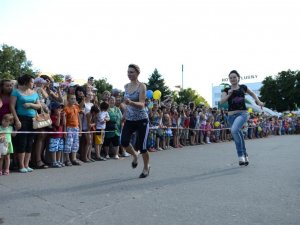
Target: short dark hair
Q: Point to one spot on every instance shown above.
(104, 106)
(95, 109)
(2, 82)
(80, 88)
(235, 72)
(25, 79)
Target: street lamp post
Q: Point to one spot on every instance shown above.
(182, 76)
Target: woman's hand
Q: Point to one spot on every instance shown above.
(2, 138)
(261, 104)
(127, 101)
(18, 125)
(27, 105)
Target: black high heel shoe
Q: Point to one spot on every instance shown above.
(134, 164)
(144, 175)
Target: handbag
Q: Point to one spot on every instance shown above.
(41, 120)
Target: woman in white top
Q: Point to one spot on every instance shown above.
(85, 144)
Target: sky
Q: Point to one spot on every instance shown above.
(210, 38)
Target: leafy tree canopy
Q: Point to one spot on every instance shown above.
(102, 85)
(282, 92)
(58, 78)
(13, 63)
(189, 95)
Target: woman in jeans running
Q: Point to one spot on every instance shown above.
(237, 112)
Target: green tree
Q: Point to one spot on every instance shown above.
(189, 95)
(13, 63)
(156, 82)
(282, 92)
(102, 85)
(269, 93)
(58, 78)
(296, 89)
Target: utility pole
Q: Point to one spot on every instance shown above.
(182, 76)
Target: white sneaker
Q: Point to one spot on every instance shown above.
(107, 157)
(246, 160)
(125, 154)
(242, 161)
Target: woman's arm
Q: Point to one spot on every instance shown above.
(58, 119)
(12, 107)
(57, 96)
(107, 118)
(44, 93)
(80, 124)
(35, 106)
(225, 96)
(253, 95)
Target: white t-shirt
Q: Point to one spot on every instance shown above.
(101, 122)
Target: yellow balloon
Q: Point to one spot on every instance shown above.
(250, 110)
(259, 129)
(156, 94)
(217, 123)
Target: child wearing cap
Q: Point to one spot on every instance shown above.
(56, 141)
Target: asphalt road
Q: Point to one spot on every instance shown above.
(201, 185)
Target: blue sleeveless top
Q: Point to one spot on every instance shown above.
(134, 113)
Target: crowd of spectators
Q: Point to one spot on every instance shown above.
(86, 127)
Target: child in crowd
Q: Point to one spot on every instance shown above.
(73, 129)
(6, 142)
(186, 124)
(101, 119)
(192, 127)
(182, 135)
(197, 127)
(155, 117)
(217, 131)
(168, 132)
(174, 119)
(202, 128)
(208, 129)
(56, 141)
